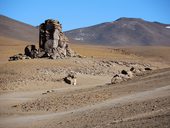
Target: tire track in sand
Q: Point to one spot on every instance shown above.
(144, 95)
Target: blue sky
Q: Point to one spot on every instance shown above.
(80, 13)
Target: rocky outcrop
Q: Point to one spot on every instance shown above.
(52, 41)
(123, 76)
(127, 75)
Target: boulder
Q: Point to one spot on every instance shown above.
(130, 74)
(123, 76)
(71, 78)
(31, 51)
(116, 79)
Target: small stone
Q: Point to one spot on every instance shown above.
(148, 69)
(49, 91)
(124, 72)
(130, 74)
(132, 69)
(116, 79)
(14, 106)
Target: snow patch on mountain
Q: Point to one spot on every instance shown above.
(167, 27)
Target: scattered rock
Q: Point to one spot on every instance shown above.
(119, 62)
(17, 57)
(125, 75)
(136, 70)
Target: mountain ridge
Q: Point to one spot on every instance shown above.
(18, 30)
(123, 31)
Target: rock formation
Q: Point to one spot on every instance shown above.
(52, 41)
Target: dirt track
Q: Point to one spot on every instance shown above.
(141, 102)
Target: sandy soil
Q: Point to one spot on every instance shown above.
(33, 94)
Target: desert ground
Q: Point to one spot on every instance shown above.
(34, 95)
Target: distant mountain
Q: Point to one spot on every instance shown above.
(124, 31)
(18, 30)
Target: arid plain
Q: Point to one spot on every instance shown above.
(33, 94)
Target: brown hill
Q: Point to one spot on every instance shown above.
(17, 30)
(124, 31)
